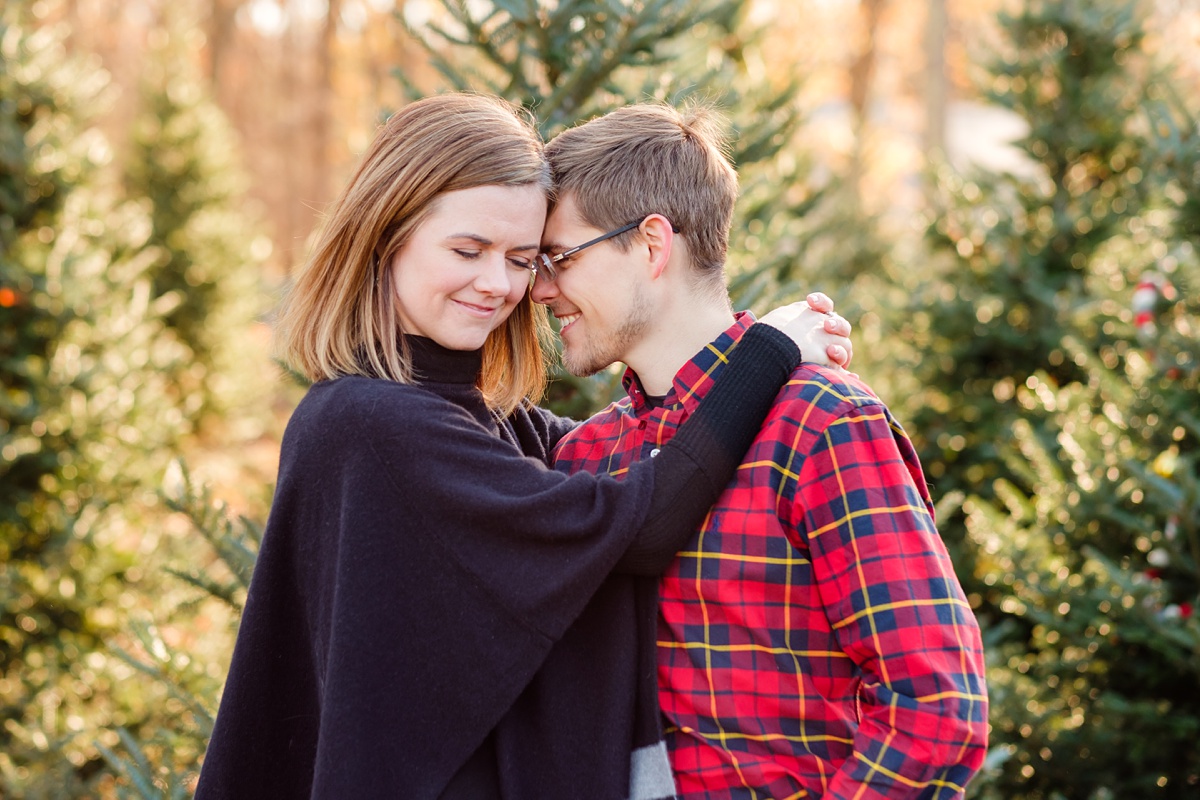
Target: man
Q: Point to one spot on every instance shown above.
(813, 640)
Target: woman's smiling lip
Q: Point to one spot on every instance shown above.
(477, 310)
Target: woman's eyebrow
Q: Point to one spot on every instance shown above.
(486, 242)
(474, 237)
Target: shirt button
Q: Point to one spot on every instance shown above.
(655, 452)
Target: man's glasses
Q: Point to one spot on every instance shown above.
(546, 265)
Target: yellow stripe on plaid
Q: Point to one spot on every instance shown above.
(721, 359)
(868, 512)
(746, 648)
(768, 737)
(875, 609)
(853, 540)
(708, 668)
(794, 560)
(896, 776)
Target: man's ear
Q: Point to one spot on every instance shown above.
(658, 236)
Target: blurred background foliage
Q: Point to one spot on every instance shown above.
(1004, 197)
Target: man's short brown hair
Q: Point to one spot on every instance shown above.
(652, 159)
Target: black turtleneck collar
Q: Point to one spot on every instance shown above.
(433, 363)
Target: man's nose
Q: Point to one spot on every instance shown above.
(544, 291)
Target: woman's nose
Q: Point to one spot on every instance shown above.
(493, 276)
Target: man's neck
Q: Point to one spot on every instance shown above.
(674, 339)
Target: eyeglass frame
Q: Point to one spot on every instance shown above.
(543, 263)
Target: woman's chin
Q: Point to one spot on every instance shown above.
(461, 341)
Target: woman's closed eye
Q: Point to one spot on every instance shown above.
(517, 262)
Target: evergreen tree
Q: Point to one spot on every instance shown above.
(86, 418)
(1014, 252)
(157, 754)
(204, 269)
(1034, 397)
(210, 264)
(1100, 562)
(207, 278)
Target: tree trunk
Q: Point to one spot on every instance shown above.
(221, 31)
(863, 67)
(323, 114)
(861, 73)
(288, 129)
(935, 80)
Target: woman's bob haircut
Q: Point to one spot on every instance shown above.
(339, 316)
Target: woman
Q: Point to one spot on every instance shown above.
(421, 558)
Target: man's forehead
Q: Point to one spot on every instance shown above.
(561, 219)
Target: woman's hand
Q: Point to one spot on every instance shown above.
(822, 336)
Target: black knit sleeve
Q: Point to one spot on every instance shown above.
(692, 470)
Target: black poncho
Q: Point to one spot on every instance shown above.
(420, 562)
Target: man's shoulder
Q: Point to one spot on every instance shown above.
(816, 399)
(834, 391)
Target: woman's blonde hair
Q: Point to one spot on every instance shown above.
(340, 317)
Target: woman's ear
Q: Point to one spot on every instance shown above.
(658, 236)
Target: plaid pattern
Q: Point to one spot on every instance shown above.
(813, 638)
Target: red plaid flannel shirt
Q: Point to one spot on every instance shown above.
(813, 638)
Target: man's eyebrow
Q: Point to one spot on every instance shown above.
(486, 242)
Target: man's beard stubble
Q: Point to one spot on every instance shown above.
(596, 355)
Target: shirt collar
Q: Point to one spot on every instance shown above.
(695, 377)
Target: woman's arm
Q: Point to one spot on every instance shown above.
(692, 470)
(823, 338)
